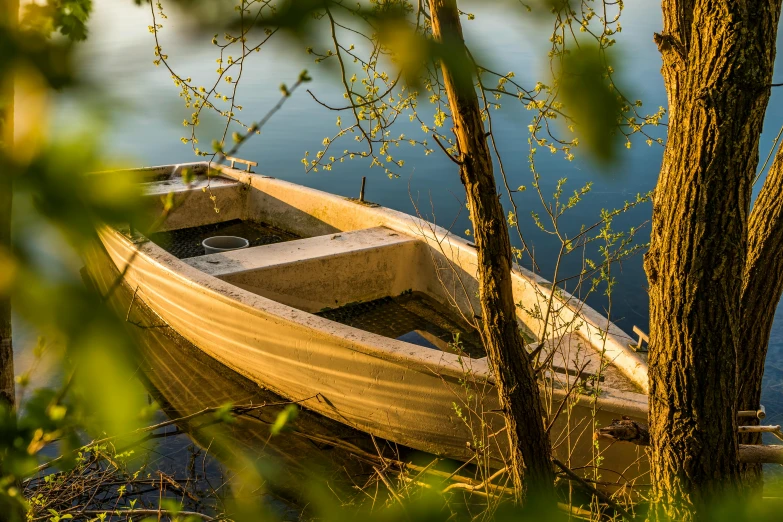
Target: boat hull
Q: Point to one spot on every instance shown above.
(426, 399)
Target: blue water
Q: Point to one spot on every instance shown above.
(146, 126)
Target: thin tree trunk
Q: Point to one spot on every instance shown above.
(516, 382)
(717, 67)
(761, 293)
(10, 10)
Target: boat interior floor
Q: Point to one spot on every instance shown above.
(415, 318)
(186, 242)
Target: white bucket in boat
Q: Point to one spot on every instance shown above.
(215, 244)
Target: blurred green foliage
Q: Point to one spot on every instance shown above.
(589, 94)
(68, 17)
(58, 207)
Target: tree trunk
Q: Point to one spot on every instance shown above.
(10, 10)
(717, 67)
(10, 510)
(761, 293)
(516, 382)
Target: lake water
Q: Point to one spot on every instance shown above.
(146, 127)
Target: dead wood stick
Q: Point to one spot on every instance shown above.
(476, 487)
(758, 429)
(629, 430)
(760, 454)
(445, 476)
(176, 485)
(389, 487)
(152, 512)
(759, 414)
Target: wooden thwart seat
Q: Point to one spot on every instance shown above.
(298, 251)
(320, 272)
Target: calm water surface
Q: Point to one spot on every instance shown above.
(146, 128)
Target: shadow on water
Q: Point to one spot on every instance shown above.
(316, 452)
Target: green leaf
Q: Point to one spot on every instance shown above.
(168, 201)
(224, 413)
(284, 419)
(171, 505)
(188, 176)
(589, 99)
(57, 412)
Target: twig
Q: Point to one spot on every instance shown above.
(565, 399)
(452, 158)
(236, 410)
(391, 489)
(476, 487)
(130, 306)
(573, 476)
(158, 512)
(176, 485)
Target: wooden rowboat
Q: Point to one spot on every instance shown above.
(363, 314)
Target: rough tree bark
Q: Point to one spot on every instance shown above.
(717, 67)
(516, 382)
(761, 293)
(9, 10)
